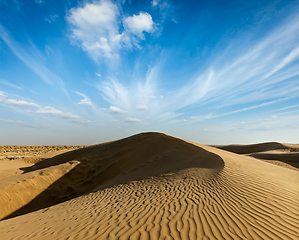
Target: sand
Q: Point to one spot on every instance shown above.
(281, 154)
(151, 186)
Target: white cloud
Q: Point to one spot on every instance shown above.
(58, 113)
(141, 107)
(94, 26)
(85, 101)
(20, 103)
(98, 74)
(133, 120)
(138, 24)
(114, 109)
(14, 102)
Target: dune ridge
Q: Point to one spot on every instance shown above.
(108, 164)
(281, 154)
(230, 197)
(259, 147)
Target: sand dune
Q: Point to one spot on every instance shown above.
(260, 147)
(285, 155)
(154, 186)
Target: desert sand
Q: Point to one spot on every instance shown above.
(153, 186)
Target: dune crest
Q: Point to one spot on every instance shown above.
(154, 186)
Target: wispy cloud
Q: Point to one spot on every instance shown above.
(245, 74)
(211, 115)
(115, 93)
(155, 3)
(16, 103)
(285, 108)
(254, 107)
(52, 18)
(26, 124)
(20, 103)
(85, 101)
(66, 115)
(4, 82)
(30, 57)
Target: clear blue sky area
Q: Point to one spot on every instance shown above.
(84, 72)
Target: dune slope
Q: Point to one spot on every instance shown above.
(281, 154)
(259, 147)
(167, 188)
(103, 165)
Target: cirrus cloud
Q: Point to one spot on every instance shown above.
(58, 113)
(16, 103)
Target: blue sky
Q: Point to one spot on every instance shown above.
(84, 72)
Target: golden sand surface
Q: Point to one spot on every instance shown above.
(13, 152)
(281, 154)
(150, 186)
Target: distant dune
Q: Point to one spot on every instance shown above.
(260, 147)
(153, 186)
(285, 155)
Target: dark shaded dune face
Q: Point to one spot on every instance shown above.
(252, 148)
(289, 158)
(161, 188)
(134, 158)
(245, 199)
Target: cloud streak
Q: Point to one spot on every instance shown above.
(229, 80)
(31, 58)
(4, 82)
(16, 103)
(66, 115)
(26, 124)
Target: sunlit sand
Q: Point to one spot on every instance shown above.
(153, 186)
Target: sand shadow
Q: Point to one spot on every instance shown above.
(105, 165)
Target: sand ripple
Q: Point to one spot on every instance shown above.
(243, 199)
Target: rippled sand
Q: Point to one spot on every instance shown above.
(151, 186)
